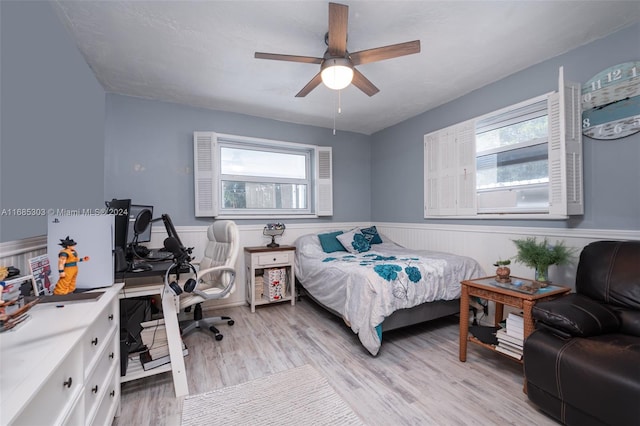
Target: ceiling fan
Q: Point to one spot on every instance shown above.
(337, 66)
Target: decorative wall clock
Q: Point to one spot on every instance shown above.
(611, 102)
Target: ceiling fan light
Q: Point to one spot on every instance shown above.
(336, 73)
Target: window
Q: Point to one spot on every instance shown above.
(525, 159)
(237, 176)
(512, 159)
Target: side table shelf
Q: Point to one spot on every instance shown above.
(486, 288)
(259, 259)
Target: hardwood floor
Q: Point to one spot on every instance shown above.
(416, 379)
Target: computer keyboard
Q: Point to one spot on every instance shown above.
(140, 267)
(158, 254)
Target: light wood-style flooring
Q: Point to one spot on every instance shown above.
(416, 379)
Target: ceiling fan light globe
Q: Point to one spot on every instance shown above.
(336, 73)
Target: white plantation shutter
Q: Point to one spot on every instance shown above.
(571, 91)
(324, 181)
(566, 195)
(557, 187)
(466, 155)
(431, 174)
(204, 173)
(450, 184)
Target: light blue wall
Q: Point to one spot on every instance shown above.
(611, 171)
(149, 156)
(62, 146)
(52, 122)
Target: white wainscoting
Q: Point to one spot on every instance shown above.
(486, 244)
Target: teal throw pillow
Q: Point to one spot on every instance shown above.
(330, 243)
(371, 234)
(354, 241)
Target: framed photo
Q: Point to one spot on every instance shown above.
(41, 272)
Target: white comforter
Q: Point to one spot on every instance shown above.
(366, 288)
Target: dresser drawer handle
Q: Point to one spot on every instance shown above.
(94, 389)
(94, 342)
(111, 317)
(111, 355)
(112, 394)
(67, 383)
(274, 259)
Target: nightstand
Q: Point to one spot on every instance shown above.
(269, 265)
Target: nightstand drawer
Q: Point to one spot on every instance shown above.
(269, 259)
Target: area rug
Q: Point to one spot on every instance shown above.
(299, 396)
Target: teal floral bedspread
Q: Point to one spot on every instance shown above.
(366, 288)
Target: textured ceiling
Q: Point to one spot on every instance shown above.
(200, 53)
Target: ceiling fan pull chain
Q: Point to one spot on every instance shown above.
(334, 122)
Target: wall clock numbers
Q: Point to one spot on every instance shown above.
(611, 102)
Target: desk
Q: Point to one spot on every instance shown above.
(151, 283)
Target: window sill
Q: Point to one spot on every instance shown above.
(512, 216)
(270, 217)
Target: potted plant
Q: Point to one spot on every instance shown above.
(540, 255)
(503, 272)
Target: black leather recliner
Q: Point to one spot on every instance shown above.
(582, 364)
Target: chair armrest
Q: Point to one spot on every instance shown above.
(217, 269)
(576, 315)
(218, 294)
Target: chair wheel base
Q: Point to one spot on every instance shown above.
(230, 322)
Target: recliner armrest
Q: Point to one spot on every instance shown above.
(576, 315)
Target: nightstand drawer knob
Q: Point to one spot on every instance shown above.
(67, 383)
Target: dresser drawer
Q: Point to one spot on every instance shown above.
(269, 259)
(108, 405)
(96, 335)
(95, 385)
(58, 393)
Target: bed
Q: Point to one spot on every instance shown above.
(381, 285)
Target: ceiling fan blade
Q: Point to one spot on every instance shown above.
(362, 83)
(386, 52)
(315, 81)
(338, 18)
(289, 58)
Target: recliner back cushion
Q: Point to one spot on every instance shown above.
(609, 271)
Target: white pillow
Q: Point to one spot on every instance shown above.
(354, 241)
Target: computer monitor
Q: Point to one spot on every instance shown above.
(143, 237)
(120, 209)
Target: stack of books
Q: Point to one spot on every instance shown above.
(154, 337)
(511, 338)
(259, 287)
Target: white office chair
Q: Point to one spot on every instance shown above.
(216, 276)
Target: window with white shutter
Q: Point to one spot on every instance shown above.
(525, 159)
(237, 176)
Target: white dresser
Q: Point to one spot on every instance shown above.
(62, 366)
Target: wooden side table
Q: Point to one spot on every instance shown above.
(259, 259)
(486, 288)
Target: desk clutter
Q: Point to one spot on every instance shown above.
(9, 321)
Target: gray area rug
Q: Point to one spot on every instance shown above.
(299, 396)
